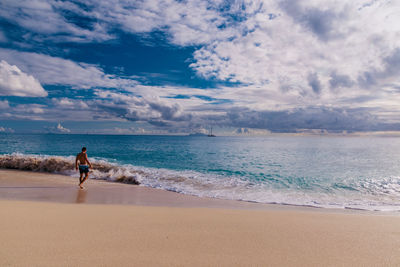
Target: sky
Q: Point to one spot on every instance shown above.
(176, 67)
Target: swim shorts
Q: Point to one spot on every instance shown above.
(83, 169)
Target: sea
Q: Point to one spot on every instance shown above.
(319, 171)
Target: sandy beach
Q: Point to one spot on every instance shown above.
(46, 221)
(215, 133)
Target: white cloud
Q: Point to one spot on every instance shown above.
(47, 18)
(292, 54)
(189, 22)
(291, 59)
(153, 109)
(287, 53)
(33, 109)
(14, 82)
(58, 129)
(302, 40)
(287, 47)
(66, 103)
(59, 71)
(277, 44)
(53, 110)
(62, 129)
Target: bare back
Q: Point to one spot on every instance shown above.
(82, 158)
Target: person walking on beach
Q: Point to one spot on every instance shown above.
(84, 165)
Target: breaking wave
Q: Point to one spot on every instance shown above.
(66, 165)
(178, 181)
(378, 195)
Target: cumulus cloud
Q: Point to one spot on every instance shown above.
(59, 71)
(323, 22)
(294, 64)
(69, 104)
(168, 113)
(50, 18)
(191, 114)
(278, 44)
(58, 129)
(187, 23)
(152, 109)
(62, 129)
(14, 82)
(304, 41)
(70, 109)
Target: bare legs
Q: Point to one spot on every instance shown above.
(81, 181)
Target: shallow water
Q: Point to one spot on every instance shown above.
(331, 172)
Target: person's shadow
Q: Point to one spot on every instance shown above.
(81, 196)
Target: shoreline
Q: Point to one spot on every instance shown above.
(219, 187)
(49, 187)
(19, 185)
(123, 225)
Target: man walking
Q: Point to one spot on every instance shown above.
(84, 166)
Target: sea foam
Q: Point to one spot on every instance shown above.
(376, 195)
(66, 165)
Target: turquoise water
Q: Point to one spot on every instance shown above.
(331, 172)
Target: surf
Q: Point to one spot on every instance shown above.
(377, 195)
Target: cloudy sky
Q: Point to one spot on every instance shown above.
(165, 66)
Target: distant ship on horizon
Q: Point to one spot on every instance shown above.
(211, 134)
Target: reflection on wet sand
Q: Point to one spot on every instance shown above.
(81, 196)
(37, 186)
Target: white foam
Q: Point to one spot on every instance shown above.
(210, 185)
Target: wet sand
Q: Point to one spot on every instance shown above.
(35, 186)
(126, 225)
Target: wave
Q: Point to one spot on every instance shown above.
(66, 165)
(377, 195)
(188, 182)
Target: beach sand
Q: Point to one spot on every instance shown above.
(124, 225)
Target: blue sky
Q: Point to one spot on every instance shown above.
(171, 67)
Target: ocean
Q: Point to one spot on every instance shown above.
(318, 171)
